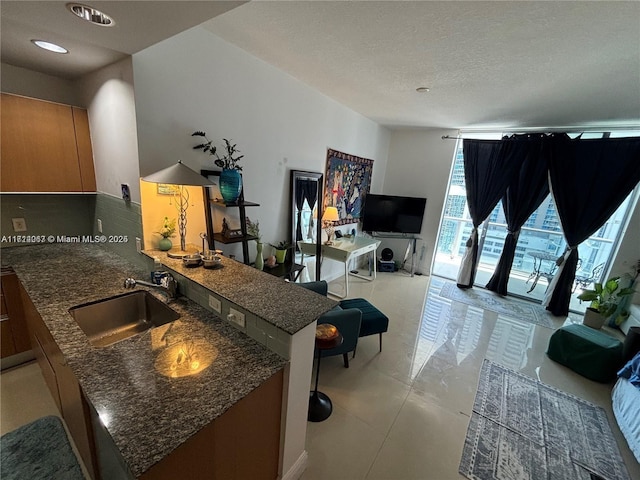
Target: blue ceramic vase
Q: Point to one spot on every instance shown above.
(230, 185)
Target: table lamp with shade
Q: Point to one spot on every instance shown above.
(330, 216)
(180, 176)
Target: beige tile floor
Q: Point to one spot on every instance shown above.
(401, 414)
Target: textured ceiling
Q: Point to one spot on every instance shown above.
(512, 64)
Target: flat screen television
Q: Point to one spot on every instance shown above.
(393, 214)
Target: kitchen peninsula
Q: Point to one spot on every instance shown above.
(144, 411)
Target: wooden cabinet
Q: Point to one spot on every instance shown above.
(14, 334)
(217, 203)
(46, 147)
(63, 385)
(244, 443)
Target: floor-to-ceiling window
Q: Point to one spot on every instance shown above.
(539, 243)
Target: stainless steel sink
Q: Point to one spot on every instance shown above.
(113, 319)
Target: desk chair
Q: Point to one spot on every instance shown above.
(347, 321)
(373, 320)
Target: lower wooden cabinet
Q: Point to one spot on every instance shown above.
(243, 443)
(14, 334)
(63, 385)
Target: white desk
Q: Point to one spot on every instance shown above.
(411, 246)
(344, 250)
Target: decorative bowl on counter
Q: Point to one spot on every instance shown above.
(192, 260)
(212, 261)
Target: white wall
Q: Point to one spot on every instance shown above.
(419, 166)
(196, 81)
(109, 98)
(28, 83)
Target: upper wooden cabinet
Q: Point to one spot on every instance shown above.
(46, 147)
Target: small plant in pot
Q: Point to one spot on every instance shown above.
(604, 299)
(281, 251)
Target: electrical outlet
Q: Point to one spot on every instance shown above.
(99, 226)
(19, 224)
(215, 303)
(138, 245)
(126, 192)
(236, 317)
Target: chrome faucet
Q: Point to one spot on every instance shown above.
(168, 285)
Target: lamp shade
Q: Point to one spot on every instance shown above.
(330, 214)
(178, 174)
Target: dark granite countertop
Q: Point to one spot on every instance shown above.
(147, 412)
(283, 304)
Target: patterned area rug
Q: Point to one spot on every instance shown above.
(490, 301)
(524, 429)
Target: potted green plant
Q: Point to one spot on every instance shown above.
(253, 229)
(230, 179)
(281, 251)
(604, 299)
(167, 230)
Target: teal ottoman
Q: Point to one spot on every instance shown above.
(373, 320)
(589, 352)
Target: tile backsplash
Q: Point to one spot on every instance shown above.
(121, 224)
(69, 218)
(47, 217)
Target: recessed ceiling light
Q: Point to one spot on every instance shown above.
(422, 89)
(90, 14)
(52, 47)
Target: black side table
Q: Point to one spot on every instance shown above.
(320, 406)
(289, 270)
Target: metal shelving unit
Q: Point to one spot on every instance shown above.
(218, 203)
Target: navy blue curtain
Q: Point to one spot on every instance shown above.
(489, 167)
(525, 193)
(589, 180)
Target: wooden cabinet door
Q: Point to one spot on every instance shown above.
(85, 152)
(7, 347)
(63, 384)
(243, 443)
(39, 150)
(12, 308)
(75, 412)
(43, 344)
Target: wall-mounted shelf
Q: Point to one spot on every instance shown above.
(214, 204)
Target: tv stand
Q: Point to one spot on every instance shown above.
(411, 245)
